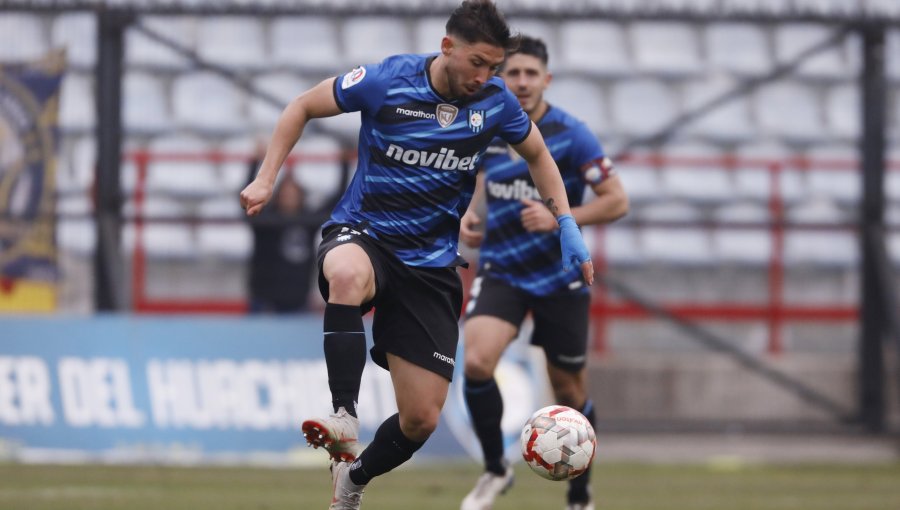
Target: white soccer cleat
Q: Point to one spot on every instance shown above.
(346, 495)
(338, 434)
(580, 506)
(486, 490)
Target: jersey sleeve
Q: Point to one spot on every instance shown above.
(361, 89)
(516, 125)
(587, 155)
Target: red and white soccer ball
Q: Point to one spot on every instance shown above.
(558, 443)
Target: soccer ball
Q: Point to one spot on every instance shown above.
(558, 443)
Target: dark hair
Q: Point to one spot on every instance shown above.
(478, 21)
(531, 46)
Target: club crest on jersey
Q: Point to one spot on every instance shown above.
(476, 120)
(353, 77)
(446, 114)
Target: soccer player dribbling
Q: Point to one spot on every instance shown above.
(521, 271)
(391, 242)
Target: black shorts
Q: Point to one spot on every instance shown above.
(417, 309)
(560, 320)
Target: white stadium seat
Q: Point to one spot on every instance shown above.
(204, 101)
(790, 111)
(755, 183)
(534, 27)
(75, 170)
(223, 207)
(283, 86)
(791, 39)
(669, 49)
(892, 54)
(839, 185)
(76, 236)
(842, 109)
(143, 52)
(305, 42)
(76, 103)
(581, 98)
(640, 180)
(743, 244)
(699, 184)
(320, 173)
(236, 42)
(740, 48)
(818, 247)
(164, 241)
(77, 33)
(593, 47)
(145, 104)
(428, 33)
(642, 107)
(370, 39)
(231, 241)
(233, 172)
(22, 37)
(621, 245)
(682, 245)
(191, 177)
(728, 123)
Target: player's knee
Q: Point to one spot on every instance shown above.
(419, 424)
(348, 283)
(477, 365)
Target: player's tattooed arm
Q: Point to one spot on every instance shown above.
(551, 204)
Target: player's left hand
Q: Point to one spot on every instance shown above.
(574, 251)
(255, 196)
(537, 218)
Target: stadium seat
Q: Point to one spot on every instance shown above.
(370, 39)
(75, 206)
(695, 183)
(230, 241)
(154, 208)
(145, 108)
(842, 110)
(76, 103)
(283, 86)
(206, 102)
(642, 107)
(582, 98)
(791, 39)
(164, 241)
(621, 245)
(428, 33)
(22, 37)
(790, 111)
(222, 207)
(745, 245)
(892, 54)
(543, 30)
(235, 42)
(595, 48)
(640, 180)
(76, 236)
(676, 245)
(319, 170)
(306, 43)
(75, 169)
(739, 48)
(819, 247)
(345, 127)
(77, 33)
(233, 172)
(143, 52)
(667, 49)
(842, 185)
(728, 123)
(753, 181)
(190, 177)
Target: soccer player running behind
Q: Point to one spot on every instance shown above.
(520, 269)
(392, 239)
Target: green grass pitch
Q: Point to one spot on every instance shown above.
(441, 487)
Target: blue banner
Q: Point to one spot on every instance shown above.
(204, 390)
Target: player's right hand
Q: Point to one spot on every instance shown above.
(255, 196)
(469, 232)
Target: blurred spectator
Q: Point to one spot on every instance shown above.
(283, 250)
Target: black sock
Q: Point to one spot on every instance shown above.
(345, 354)
(388, 449)
(579, 488)
(486, 410)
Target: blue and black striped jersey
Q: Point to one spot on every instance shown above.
(418, 155)
(527, 260)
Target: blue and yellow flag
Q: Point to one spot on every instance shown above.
(29, 99)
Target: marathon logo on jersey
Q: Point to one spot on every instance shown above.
(597, 170)
(516, 190)
(446, 114)
(476, 120)
(419, 114)
(353, 77)
(446, 359)
(445, 159)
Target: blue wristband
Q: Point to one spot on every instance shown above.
(574, 251)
